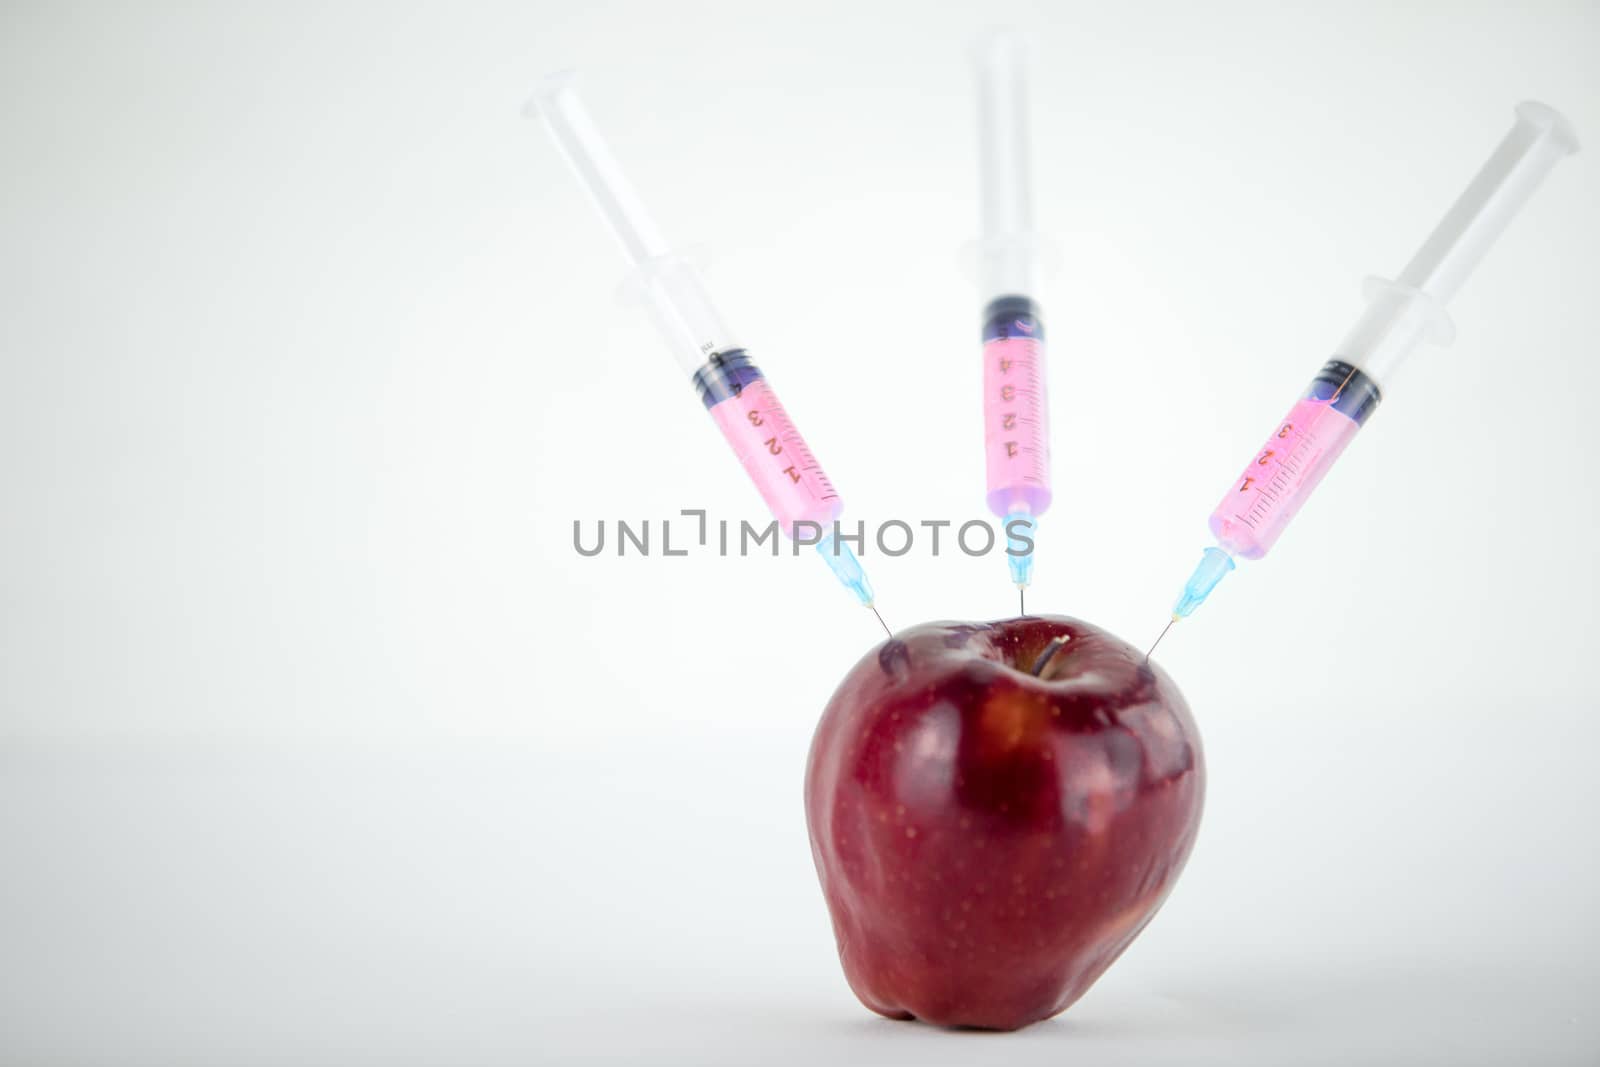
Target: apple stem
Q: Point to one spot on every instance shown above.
(1056, 645)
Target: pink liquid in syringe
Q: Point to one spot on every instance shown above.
(771, 450)
(1282, 475)
(1016, 434)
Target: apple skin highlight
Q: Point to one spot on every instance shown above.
(989, 841)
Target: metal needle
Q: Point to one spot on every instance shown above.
(881, 623)
(1164, 630)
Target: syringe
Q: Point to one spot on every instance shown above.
(1016, 411)
(732, 388)
(1281, 476)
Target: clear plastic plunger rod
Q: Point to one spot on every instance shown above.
(1540, 139)
(731, 387)
(1005, 167)
(574, 132)
(1302, 448)
(1016, 412)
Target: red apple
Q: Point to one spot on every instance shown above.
(996, 811)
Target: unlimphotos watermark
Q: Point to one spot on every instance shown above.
(892, 537)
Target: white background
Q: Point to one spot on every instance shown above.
(319, 743)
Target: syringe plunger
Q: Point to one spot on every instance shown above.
(1540, 139)
(1410, 309)
(668, 285)
(1008, 248)
(557, 102)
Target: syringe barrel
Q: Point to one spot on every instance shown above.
(767, 444)
(1540, 139)
(671, 289)
(1283, 473)
(1016, 409)
(1396, 319)
(1008, 247)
